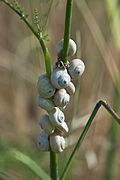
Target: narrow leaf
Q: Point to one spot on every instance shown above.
(31, 164)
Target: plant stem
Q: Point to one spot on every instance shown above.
(67, 29)
(98, 105)
(113, 134)
(39, 37)
(53, 165)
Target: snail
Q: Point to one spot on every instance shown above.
(60, 78)
(76, 68)
(45, 89)
(61, 98)
(57, 143)
(46, 104)
(70, 88)
(43, 142)
(46, 125)
(57, 118)
(72, 48)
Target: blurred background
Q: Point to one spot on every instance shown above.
(96, 30)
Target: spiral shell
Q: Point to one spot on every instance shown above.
(70, 88)
(60, 78)
(46, 125)
(43, 142)
(46, 104)
(57, 143)
(61, 98)
(56, 116)
(76, 68)
(45, 89)
(72, 48)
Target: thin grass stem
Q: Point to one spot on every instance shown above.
(67, 29)
(98, 105)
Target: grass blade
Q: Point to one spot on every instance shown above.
(82, 136)
(31, 164)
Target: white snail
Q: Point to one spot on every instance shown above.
(70, 88)
(43, 142)
(57, 143)
(72, 48)
(60, 78)
(61, 98)
(45, 89)
(46, 104)
(76, 68)
(56, 116)
(46, 125)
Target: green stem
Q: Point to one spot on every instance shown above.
(67, 29)
(39, 37)
(53, 165)
(98, 105)
(113, 134)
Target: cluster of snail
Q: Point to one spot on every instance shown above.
(54, 95)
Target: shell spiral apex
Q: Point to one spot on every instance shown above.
(45, 88)
(76, 68)
(60, 78)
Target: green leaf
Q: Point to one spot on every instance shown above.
(31, 164)
(46, 38)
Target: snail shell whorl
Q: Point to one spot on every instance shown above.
(57, 143)
(45, 89)
(61, 98)
(76, 68)
(43, 142)
(70, 88)
(72, 48)
(56, 116)
(46, 104)
(60, 78)
(46, 125)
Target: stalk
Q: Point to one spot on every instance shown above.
(110, 163)
(39, 37)
(67, 29)
(53, 165)
(98, 105)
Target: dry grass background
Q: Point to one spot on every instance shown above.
(21, 62)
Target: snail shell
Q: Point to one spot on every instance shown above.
(46, 125)
(76, 68)
(46, 104)
(62, 128)
(60, 78)
(72, 48)
(56, 116)
(70, 88)
(57, 143)
(45, 89)
(61, 98)
(43, 142)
